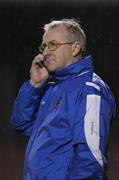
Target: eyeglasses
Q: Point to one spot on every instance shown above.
(52, 45)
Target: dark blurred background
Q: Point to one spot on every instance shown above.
(21, 33)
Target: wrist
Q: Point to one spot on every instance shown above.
(36, 84)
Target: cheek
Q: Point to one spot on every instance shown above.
(63, 55)
(61, 58)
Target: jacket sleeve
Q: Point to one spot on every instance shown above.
(90, 135)
(25, 108)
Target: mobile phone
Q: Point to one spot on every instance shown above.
(41, 64)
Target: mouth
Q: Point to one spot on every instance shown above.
(49, 61)
(48, 58)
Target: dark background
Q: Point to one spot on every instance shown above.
(20, 36)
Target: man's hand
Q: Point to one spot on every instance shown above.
(38, 72)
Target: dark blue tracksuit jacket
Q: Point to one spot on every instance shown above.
(68, 123)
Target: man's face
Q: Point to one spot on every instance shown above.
(62, 56)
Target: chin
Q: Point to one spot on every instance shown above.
(51, 69)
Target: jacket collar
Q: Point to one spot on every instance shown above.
(83, 65)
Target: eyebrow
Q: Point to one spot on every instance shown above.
(50, 42)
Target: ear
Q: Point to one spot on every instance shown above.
(76, 47)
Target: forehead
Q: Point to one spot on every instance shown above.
(58, 33)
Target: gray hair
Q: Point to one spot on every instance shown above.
(73, 27)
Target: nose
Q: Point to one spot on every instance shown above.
(46, 51)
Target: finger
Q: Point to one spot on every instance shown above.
(38, 58)
(40, 65)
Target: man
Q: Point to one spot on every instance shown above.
(65, 109)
